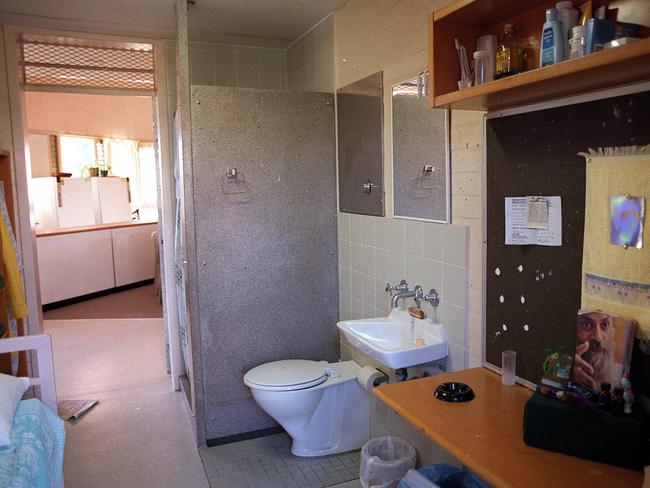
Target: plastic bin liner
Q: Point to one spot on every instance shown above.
(385, 461)
(441, 476)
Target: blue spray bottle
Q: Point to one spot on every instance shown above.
(552, 45)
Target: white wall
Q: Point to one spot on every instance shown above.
(310, 59)
(128, 117)
(242, 66)
(392, 36)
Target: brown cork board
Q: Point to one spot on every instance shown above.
(536, 153)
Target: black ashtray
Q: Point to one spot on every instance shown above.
(454, 392)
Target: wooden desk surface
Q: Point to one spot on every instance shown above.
(486, 434)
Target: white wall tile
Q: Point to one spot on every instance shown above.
(455, 246)
(344, 253)
(356, 285)
(381, 233)
(431, 275)
(432, 241)
(344, 226)
(456, 358)
(396, 235)
(453, 318)
(369, 260)
(454, 284)
(201, 69)
(356, 256)
(356, 228)
(369, 292)
(344, 280)
(382, 257)
(368, 230)
(413, 270)
(413, 237)
(225, 68)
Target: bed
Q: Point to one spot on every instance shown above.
(35, 456)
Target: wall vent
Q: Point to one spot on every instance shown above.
(69, 62)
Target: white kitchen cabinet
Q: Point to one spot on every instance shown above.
(133, 254)
(75, 264)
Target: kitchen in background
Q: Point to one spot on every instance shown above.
(93, 192)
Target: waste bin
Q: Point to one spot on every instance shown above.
(441, 476)
(385, 461)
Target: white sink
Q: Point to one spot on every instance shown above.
(392, 340)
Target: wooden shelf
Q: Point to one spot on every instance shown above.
(469, 19)
(603, 69)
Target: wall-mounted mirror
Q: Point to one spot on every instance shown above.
(360, 113)
(420, 154)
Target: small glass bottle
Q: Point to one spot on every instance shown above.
(605, 396)
(510, 55)
(618, 403)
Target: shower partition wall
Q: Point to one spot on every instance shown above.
(265, 215)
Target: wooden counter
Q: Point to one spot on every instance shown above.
(486, 434)
(90, 228)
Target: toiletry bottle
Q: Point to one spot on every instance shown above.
(509, 57)
(568, 18)
(628, 394)
(605, 396)
(552, 48)
(618, 404)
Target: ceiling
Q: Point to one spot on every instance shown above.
(264, 22)
(281, 20)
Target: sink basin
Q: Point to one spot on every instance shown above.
(392, 340)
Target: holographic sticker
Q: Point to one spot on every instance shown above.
(627, 221)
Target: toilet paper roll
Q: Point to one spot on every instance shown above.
(367, 377)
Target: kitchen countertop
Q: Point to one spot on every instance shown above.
(486, 434)
(90, 228)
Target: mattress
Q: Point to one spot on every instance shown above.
(35, 456)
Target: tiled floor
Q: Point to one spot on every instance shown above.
(267, 462)
(138, 303)
(139, 435)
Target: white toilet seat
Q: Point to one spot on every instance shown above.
(287, 375)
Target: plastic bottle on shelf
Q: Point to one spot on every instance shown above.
(577, 42)
(481, 67)
(488, 43)
(552, 48)
(568, 18)
(510, 56)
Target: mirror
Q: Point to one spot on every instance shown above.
(360, 112)
(420, 154)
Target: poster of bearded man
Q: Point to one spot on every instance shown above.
(604, 344)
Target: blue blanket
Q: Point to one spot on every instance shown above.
(35, 456)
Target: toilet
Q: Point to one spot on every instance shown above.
(319, 404)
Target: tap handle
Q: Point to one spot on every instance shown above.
(433, 297)
(403, 286)
(419, 295)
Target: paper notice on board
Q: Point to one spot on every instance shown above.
(519, 234)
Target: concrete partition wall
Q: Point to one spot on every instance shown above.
(267, 260)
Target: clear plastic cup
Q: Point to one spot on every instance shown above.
(481, 67)
(508, 366)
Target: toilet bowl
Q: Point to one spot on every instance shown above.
(319, 404)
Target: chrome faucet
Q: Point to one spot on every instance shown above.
(417, 294)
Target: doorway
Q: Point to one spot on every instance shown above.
(103, 189)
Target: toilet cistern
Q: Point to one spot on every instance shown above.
(417, 294)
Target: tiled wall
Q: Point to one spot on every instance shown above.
(310, 59)
(242, 66)
(392, 36)
(376, 250)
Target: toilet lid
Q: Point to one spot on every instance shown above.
(291, 374)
